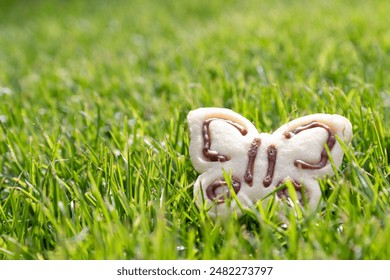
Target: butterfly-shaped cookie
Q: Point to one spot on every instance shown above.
(224, 142)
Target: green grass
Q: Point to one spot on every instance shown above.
(94, 159)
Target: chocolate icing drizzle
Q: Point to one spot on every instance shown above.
(207, 152)
(271, 154)
(210, 191)
(331, 141)
(283, 193)
(252, 153)
(271, 157)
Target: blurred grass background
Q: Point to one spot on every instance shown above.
(93, 140)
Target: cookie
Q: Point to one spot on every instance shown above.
(232, 156)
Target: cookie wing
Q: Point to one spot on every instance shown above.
(217, 135)
(307, 136)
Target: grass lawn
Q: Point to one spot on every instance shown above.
(94, 159)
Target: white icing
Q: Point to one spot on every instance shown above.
(227, 140)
